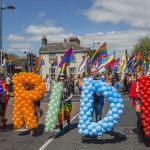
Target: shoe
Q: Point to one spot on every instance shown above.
(69, 126)
(4, 123)
(61, 132)
(99, 137)
(32, 132)
(140, 140)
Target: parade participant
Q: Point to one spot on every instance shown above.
(79, 83)
(134, 94)
(65, 106)
(71, 81)
(4, 98)
(98, 98)
(38, 110)
(48, 82)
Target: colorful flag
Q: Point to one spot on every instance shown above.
(144, 65)
(83, 63)
(8, 62)
(105, 62)
(115, 63)
(68, 56)
(100, 53)
(63, 68)
(41, 62)
(54, 61)
(122, 64)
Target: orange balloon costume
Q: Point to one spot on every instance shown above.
(24, 98)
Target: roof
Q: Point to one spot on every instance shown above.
(53, 47)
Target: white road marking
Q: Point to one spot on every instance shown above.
(51, 139)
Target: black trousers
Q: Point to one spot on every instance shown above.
(139, 125)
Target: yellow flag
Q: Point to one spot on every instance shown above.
(123, 63)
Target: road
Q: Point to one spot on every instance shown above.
(124, 135)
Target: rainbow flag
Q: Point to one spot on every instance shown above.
(54, 61)
(105, 62)
(101, 52)
(68, 56)
(83, 63)
(8, 62)
(41, 62)
(63, 68)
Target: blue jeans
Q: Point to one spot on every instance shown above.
(98, 111)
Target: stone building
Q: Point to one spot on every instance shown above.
(50, 50)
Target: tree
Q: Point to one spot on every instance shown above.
(143, 46)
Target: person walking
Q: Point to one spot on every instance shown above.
(65, 106)
(4, 97)
(71, 81)
(8, 81)
(134, 94)
(98, 98)
(48, 82)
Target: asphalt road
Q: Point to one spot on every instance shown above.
(124, 135)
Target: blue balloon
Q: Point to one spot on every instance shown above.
(85, 109)
(94, 131)
(116, 116)
(86, 132)
(86, 83)
(85, 79)
(81, 131)
(87, 122)
(115, 101)
(84, 118)
(98, 128)
(112, 105)
(86, 126)
(83, 126)
(89, 105)
(89, 96)
(90, 127)
(110, 99)
(114, 110)
(89, 114)
(103, 88)
(81, 122)
(119, 106)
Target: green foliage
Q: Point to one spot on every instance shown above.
(143, 45)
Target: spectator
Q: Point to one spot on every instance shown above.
(71, 81)
(8, 81)
(48, 82)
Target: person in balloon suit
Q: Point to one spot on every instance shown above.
(4, 98)
(37, 104)
(98, 98)
(134, 94)
(65, 106)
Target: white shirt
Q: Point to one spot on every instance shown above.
(8, 80)
(47, 80)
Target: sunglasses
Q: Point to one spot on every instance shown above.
(61, 79)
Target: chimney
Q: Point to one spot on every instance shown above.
(44, 40)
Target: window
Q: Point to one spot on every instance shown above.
(52, 73)
(73, 72)
(52, 56)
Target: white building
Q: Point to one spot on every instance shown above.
(50, 50)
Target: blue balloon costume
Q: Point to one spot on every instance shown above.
(86, 126)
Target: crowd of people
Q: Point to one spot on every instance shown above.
(127, 84)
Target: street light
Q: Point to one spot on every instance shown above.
(1, 8)
(95, 43)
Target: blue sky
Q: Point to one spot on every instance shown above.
(118, 22)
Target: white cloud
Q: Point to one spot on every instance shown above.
(135, 12)
(41, 14)
(15, 37)
(20, 48)
(43, 30)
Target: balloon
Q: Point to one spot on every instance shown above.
(28, 88)
(53, 107)
(86, 126)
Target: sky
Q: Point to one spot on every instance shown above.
(120, 23)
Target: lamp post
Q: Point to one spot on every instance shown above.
(95, 43)
(1, 8)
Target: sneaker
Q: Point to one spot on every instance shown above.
(140, 140)
(69, 126)
(99, 137)
(61, 132)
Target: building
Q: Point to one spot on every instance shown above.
(50, 50)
